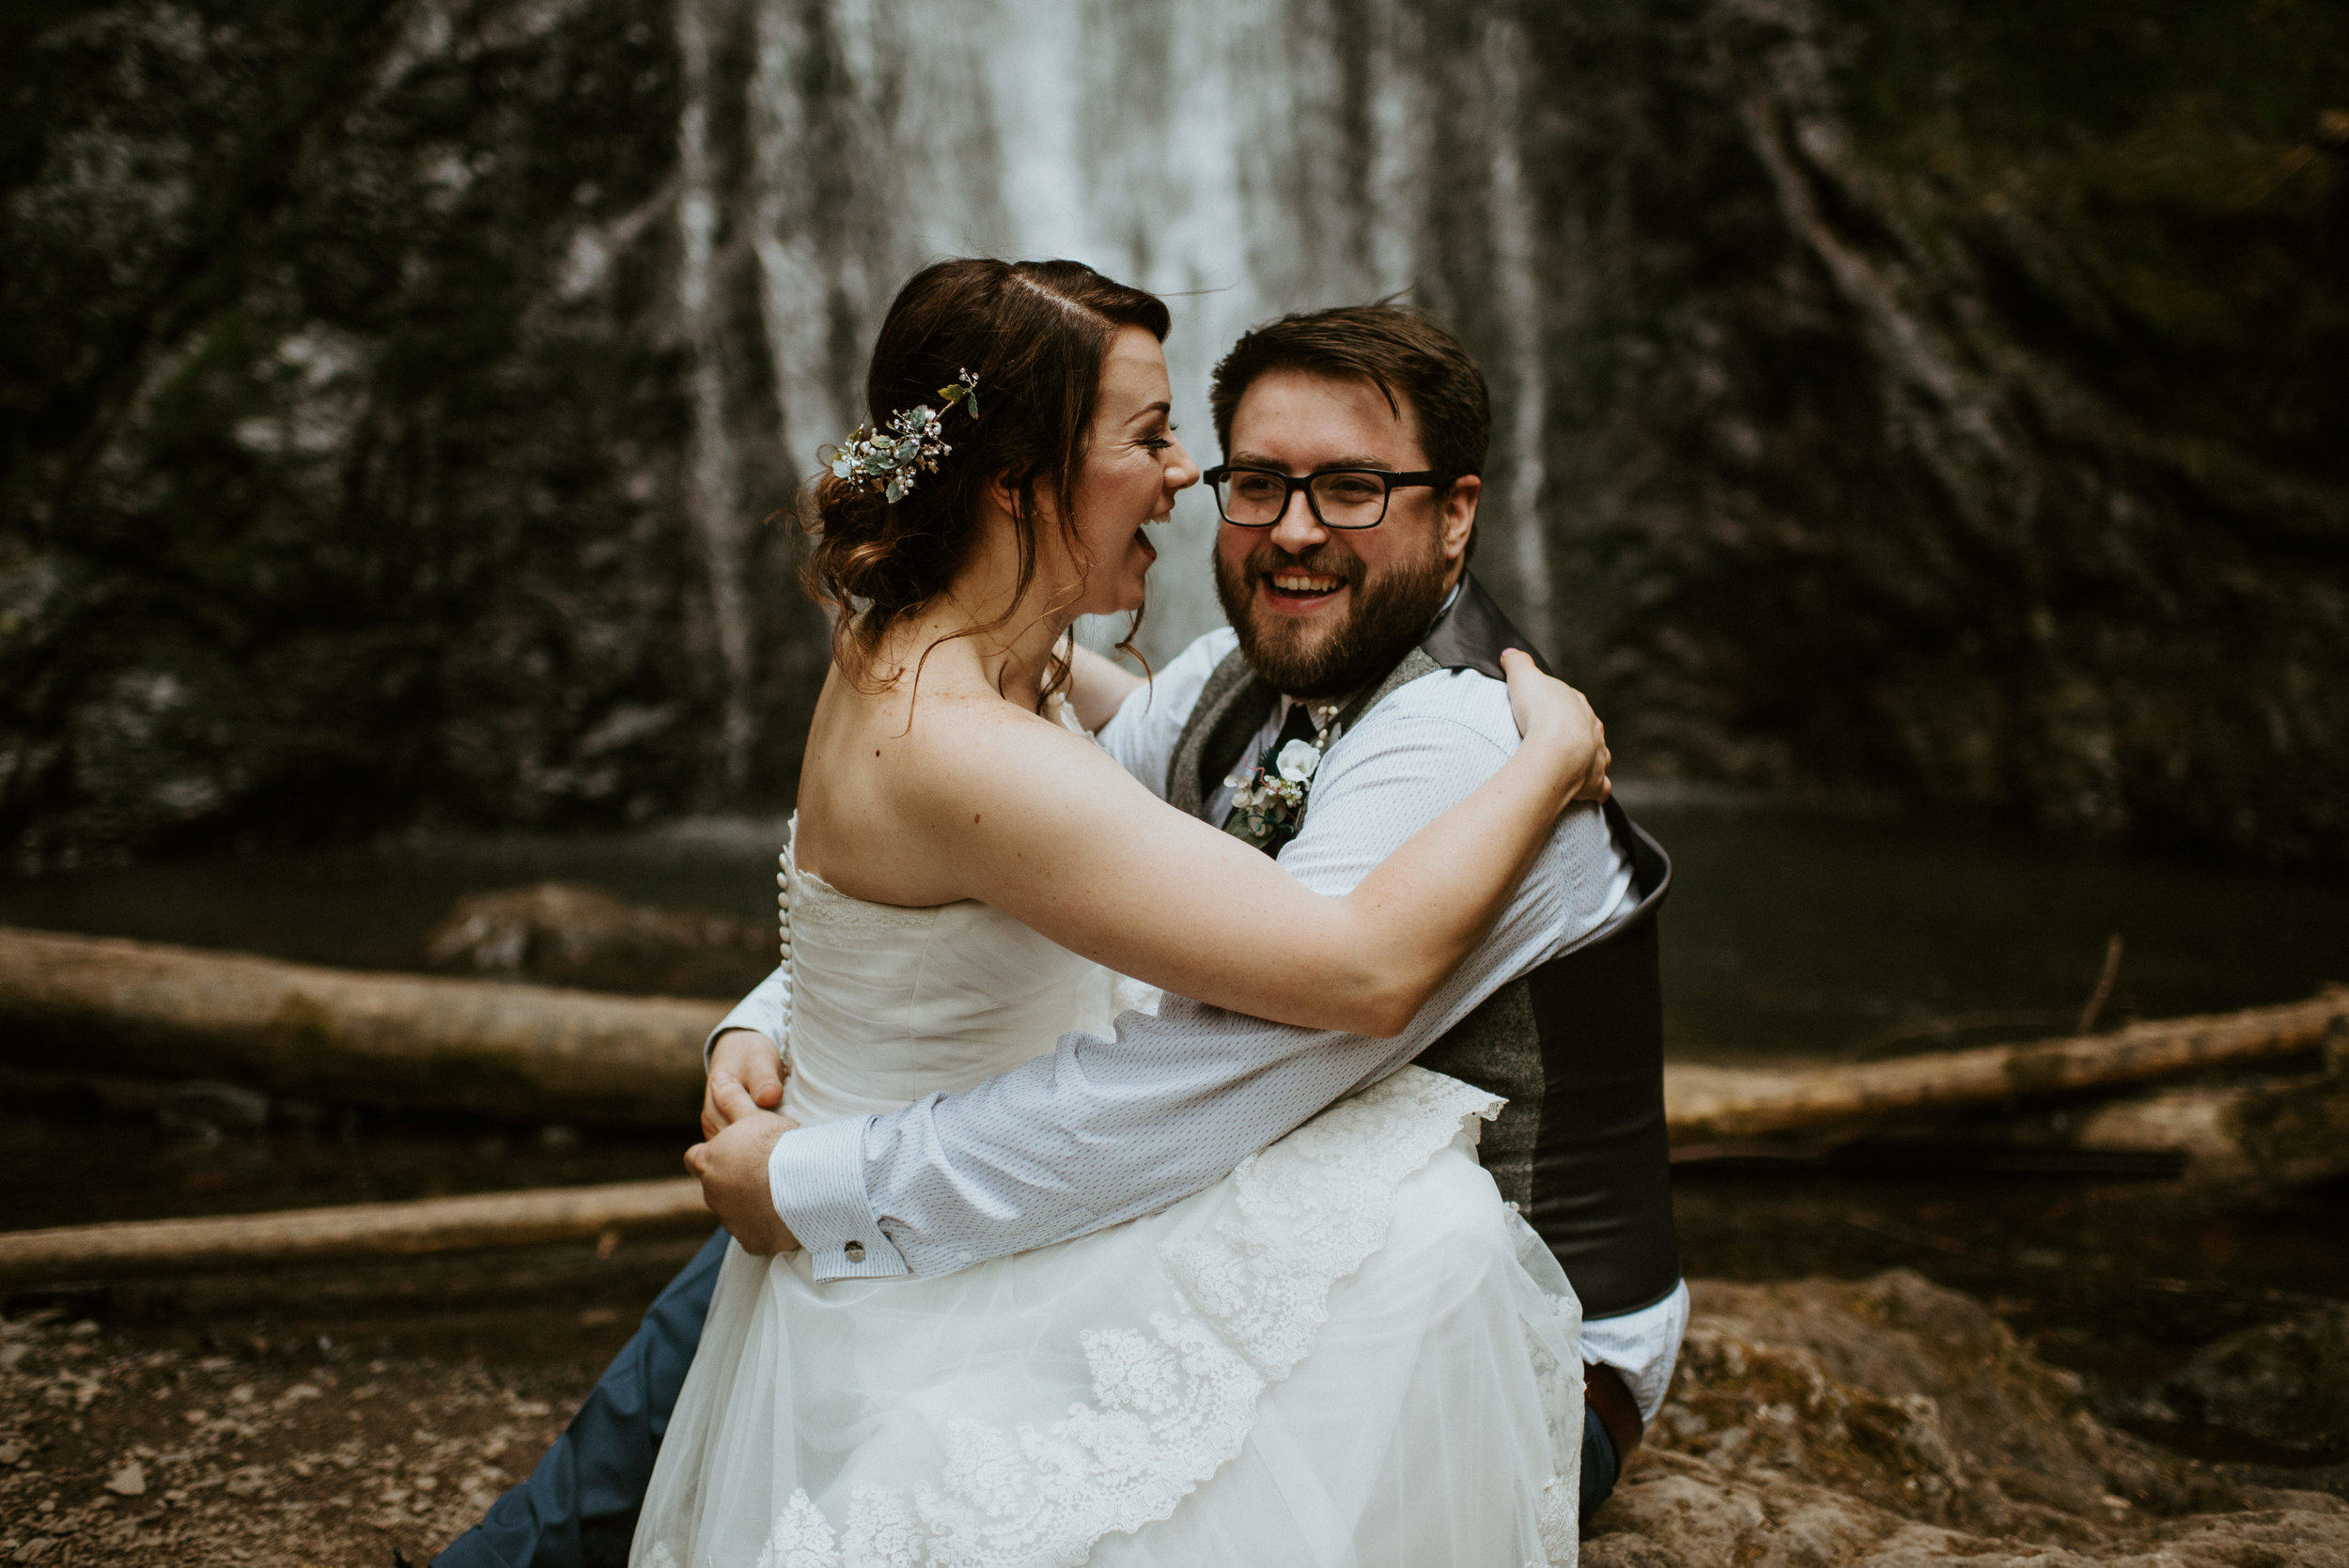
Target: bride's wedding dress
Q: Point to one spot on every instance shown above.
(1350, 1351)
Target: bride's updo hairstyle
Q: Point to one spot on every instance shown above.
(1036, 336)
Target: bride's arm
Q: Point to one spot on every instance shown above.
(1075, 848)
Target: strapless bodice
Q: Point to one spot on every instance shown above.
(890, 1003)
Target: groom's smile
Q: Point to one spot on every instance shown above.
(1298, 593)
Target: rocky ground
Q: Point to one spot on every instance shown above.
(115, 1452)
(1894, 1421)
(1882, 1423)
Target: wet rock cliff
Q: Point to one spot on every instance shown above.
(1934, 400)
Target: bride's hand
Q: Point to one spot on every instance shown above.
(1550, 713)
(751, 1060)
(732, 1169)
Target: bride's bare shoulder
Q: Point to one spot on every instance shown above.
(934, 810)
(964, 746)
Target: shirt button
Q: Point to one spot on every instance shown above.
(963, 1256)
(855, 1250)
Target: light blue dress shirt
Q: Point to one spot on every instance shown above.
(1100, 1130)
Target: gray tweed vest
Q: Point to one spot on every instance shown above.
(1576, 1046)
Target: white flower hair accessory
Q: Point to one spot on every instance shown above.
(889, 460)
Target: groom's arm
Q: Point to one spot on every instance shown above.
(1102, 1130)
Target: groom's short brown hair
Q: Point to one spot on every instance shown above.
(1400, 351)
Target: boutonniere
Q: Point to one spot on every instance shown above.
(1268, 801)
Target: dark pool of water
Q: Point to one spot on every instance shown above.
(1791, 934)
(1794, 934)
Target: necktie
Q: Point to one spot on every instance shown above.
(1298, 726)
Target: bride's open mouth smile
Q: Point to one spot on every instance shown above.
(1141, 536)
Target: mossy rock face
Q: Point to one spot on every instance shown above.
(1957, 416)
(1939, 400)
(341, 486)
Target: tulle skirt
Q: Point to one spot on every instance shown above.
(1349, 1352)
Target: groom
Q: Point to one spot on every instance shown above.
(1351, 610)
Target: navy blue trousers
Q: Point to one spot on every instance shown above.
(578, 1508)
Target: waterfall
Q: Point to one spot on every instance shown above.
(1242, 160)
(713, 498)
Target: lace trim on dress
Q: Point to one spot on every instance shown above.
(811, 895)
(1559, 1513)
(1171, 1407)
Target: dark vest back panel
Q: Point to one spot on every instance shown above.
(1577, 1045)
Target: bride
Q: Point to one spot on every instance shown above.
(1348, 1351)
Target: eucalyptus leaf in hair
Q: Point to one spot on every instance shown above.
(889, 460)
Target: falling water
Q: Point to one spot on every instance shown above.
(713, 500)
(1240, 158)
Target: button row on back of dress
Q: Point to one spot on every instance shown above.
(782, 929)
(783, 904)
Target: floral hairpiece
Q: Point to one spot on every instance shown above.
(889, 460)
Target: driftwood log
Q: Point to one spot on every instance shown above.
(94, 1004)
(354, 1230)
(71, 1003)
(2280, 1135)
(2287, 1133)
(79, 1003)
(1724, 1106)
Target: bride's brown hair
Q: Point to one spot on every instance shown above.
(1036, 336)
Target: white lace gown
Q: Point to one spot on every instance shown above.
(1349, 1352)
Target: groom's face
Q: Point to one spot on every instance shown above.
(1320, 611)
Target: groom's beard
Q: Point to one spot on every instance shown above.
(1306, 658)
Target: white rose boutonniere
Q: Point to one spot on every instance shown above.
(1268, 801)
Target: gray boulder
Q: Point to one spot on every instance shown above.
(1891, 1421)
(2286, 1384)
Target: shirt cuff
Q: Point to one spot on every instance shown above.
(1643, 1345)
(815, 1178)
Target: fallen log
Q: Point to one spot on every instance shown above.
(354, 1230)
(2282, 1134)
(2289, 1133)
(2266, 1136)
(517, 1049)
(68, 1003)
(72, 1004)
(1724, 1106)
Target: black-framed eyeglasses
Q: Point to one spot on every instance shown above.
(1340, 497)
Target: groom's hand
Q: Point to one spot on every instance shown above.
(732, 1168)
